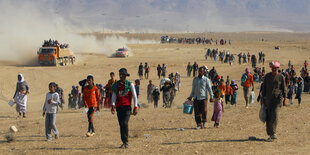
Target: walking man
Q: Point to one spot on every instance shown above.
(123, 92)
(247, 81)
(274, 93)
(200, 88)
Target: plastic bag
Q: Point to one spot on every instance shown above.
(252, 97)
(11, 103)
(188, 107)
(263, 113)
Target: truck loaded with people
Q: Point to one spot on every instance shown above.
(52, 54)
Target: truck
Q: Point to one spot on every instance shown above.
(54, 56)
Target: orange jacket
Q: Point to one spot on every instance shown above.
(91, 97)
(248, 81)
(228, 90)
(222, 88)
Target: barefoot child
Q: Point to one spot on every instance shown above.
(218, 108)
(50, 108)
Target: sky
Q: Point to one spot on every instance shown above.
(177, 15)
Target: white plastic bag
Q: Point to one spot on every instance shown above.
(252, 97)
(86, 110)
(11, 103)
(263, 113)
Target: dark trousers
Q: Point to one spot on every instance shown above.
(200, 109)
(272, 118)
(155, 103)
(90, 114)
(227, 97)
(123, 115)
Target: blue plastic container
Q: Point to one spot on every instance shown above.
(187, 109)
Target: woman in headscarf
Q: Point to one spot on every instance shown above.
(20, 96)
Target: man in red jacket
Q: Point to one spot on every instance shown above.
(123, 92)
(92, 102)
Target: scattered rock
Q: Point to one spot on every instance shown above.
(13, 129)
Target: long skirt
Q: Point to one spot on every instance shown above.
(217, 113)
(21, 102)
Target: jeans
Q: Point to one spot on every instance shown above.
(200, 109)
(50, 124)
(123, 115)
(227, 97)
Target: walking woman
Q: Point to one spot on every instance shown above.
(20, 96)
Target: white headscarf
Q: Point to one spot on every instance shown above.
(22, 78)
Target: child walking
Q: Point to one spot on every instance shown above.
(92, 102)
(290, 92)
(218, 108)
(299, 89)
(156, 96)
(50, 109)
(228, 92)
(234, 93)
(137, 88)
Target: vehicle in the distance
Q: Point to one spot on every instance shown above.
(122, 52)
(54, 55)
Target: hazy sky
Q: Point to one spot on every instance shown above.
(178, 15)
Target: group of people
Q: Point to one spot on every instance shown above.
(122, 93)
(222, 56)
(197, 40)
(248, 58)
(146, 69)
(276, 86)
(51, 43)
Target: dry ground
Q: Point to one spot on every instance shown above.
(237, 123)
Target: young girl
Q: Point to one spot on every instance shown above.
(218, 108)
(156, 96)
(290, 92)
(50, 109)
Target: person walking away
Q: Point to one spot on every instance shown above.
(218, 108)
(249, 56)
(299, 89)
(156, 95)
(247, 81)
(61, 94)
(195, 68)
(228, 92)
(75, 95)
(137, 88)
(123, 93)
(290, 91)
(150, 88)
(140, 71)
(101, 94)
(234, 94)
(189, 69)
(147, 70)
(159, 69)
(108, 90)
(306, 65)
(50, 109)
(166, 93)
(20, 96)
(177, 81)
(200, 87)
(92, 102)
(274, 92)
(164, 70)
